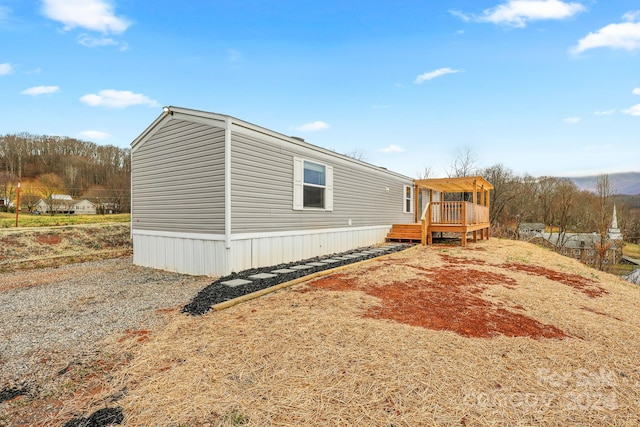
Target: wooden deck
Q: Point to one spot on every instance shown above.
(405, 233)
(447, 216)
(455, 217)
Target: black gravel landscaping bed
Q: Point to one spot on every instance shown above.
(217, 292)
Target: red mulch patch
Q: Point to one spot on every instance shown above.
(446, 300)
(48, 239)
(585, 285)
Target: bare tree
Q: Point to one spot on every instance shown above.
(563, 203)
(522, 207)
(356, 154)
(51, 185)
(425, 173)
(603, 209)
(504, 190)
(465, 163)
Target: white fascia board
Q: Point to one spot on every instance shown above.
(245, 236)
(169, 113)
(150, 131)
(212, 119)
(178, 235)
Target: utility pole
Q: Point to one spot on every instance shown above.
(18, 204)
(19, 182)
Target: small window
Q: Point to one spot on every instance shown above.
(313, 185)
(408, 199)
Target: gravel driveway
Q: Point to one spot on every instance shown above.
(50, 317)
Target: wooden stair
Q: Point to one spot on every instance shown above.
(405, 233)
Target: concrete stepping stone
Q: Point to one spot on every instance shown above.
(301, 267)
(352, 256)
(330, 261)
(235, 282)
(317, 264)
(283, 271)
(262, 276)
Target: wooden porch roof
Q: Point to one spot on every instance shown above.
(455, 185)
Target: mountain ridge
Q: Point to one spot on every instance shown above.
(627, 183)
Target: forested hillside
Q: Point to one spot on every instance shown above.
(46, 165)
(558, 203)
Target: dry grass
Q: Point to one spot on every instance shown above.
(322, 353)
(310, 356)
(632, 250)
(8, 220)
(27, 248)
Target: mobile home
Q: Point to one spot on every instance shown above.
(212, 194)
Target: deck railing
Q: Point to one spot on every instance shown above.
(455, 213)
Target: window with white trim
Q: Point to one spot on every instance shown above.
(408, 199)
(312, 185)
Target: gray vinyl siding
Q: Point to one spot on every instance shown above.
(262, 190)
(178, 179)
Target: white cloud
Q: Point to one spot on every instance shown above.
(572, 120)
(5, 69)
(636, 91)
(604, 113)
(94, 15)
(517, 13)
(313, 126)
(112, 98)
(433, 74)
(392, 149)
(459, 14)
(633, 111)
(89, 41)
(40, 90)
(625, 35)
(631, 16)
(93, 134)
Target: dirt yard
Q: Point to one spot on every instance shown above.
(498, 333)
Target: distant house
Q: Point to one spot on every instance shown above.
(84, 207)
(531, 228)
(65, 204)
(585, 246)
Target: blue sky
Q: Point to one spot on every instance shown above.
(545, 87)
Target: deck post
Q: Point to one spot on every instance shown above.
(416, 203)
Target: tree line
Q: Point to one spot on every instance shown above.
(45, 165)
(556, 202)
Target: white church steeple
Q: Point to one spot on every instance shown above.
(613, 233)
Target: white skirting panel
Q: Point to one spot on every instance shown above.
(254, 251)
(194, 255)
(207, 255)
